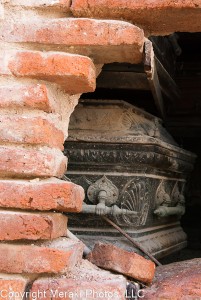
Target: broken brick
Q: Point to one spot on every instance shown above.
(116, 259)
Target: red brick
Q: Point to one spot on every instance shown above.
(12, 284)
(31, 226)
(27, 129)
(57, 256)
(61, 5)
(75, 73)
(31, 162)
(86, 282)
(116, 259)
(176, 281)
(34, 96)
(155, 17)
(49, 194)
(116, 41)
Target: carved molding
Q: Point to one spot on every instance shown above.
(126, 156)
(159, 243)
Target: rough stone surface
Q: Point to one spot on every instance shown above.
(31, 226)
(14, 284)
(176, 281)
(36, 130)
(57, 256)
(75, 73)
(49, 194)
(116, 259)
(155, 17)
(31, 162)
(86, 281)
(62, 5)
(1, 11)
(104, 41)
(33, 96)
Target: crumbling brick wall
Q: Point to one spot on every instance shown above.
(48, 59)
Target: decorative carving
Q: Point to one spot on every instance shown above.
(164, 211)
(162, 197)
(114, 119)
(134, 197)
(105, 210)
(169, 205)
(145, 154)
(104, 194)
(177, 196)
(140, 158)
(110, 190)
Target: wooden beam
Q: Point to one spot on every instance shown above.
(123, 80)
(152, 76)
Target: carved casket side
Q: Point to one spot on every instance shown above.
(136, 171)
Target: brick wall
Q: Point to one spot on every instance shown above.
(48, 59)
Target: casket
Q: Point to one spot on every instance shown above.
(132, 171)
